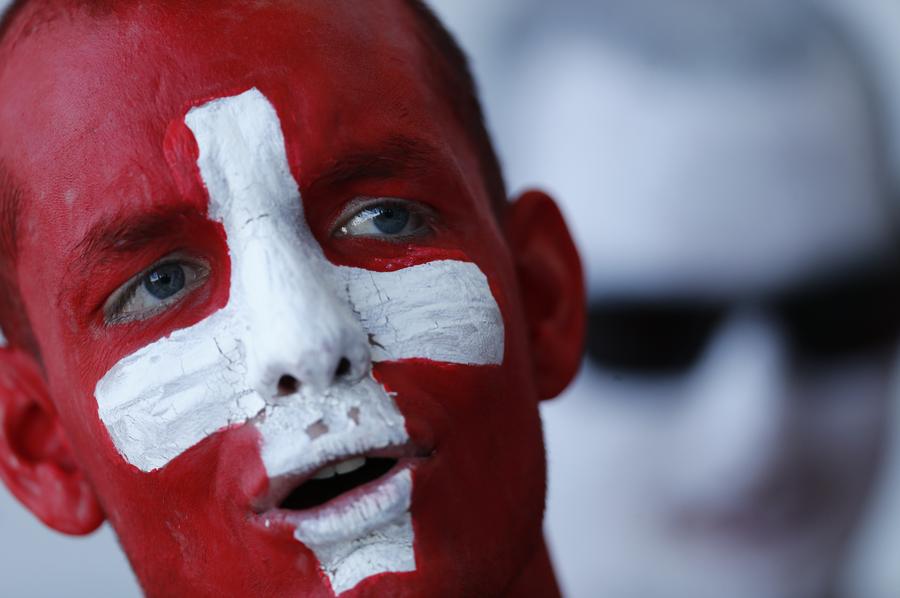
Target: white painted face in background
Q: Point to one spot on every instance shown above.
(724, 437)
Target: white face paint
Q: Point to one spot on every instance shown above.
(668, 179)
(742, 477)
(291, 312)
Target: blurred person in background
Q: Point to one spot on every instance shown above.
(726, 175)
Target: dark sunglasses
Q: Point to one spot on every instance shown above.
(825, 322)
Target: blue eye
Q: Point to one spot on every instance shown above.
(387, 219)
(155, 290)
(165, 281)
(391, 220)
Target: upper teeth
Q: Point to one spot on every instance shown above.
(340, 468)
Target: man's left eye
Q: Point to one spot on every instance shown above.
(386, 218)
(154, 290)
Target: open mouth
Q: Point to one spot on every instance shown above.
(342, 498)
(335, 480)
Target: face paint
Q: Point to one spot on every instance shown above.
(204, 425)
(223, 371)
(743, 471)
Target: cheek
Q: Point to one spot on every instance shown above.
(636, 420)
(79, 348)
(185, 527)
(842, 414)
(486, 477)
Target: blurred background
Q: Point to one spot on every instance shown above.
(729, 169)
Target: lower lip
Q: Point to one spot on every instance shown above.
(352, 514)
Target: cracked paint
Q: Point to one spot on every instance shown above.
(223, 371)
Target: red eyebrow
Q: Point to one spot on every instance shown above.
(127, 233)
(398, 156)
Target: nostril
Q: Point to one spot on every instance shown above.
(287, 385)
(343, 368)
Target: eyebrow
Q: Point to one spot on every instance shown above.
(127, 233)
(882, 275)
(398, 156)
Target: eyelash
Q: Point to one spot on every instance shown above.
(113, 309)
(355, 209)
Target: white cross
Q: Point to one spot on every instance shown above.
(289, 310)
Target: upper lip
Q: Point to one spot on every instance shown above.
(280, 487)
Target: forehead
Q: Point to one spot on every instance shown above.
(90, 90)
(684, 184)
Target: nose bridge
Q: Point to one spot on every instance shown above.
(748, 358)
(290, 320)
(741, 400)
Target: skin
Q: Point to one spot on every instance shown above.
(93, 99)
(745, 474)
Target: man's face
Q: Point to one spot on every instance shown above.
(276, 313)
(743, 300)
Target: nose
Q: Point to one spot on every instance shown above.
(289, 384)
(302, 333)
(739, 418)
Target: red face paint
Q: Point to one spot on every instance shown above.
(93, 116)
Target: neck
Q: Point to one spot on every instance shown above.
(537, 579)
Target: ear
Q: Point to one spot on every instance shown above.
(36, 463)
(552, 289)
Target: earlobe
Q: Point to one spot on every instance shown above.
(36, 463)
(552, 288)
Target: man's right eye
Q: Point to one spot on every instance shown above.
(649, 338)
(386, 219)
(844, 320)
(155, 290)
